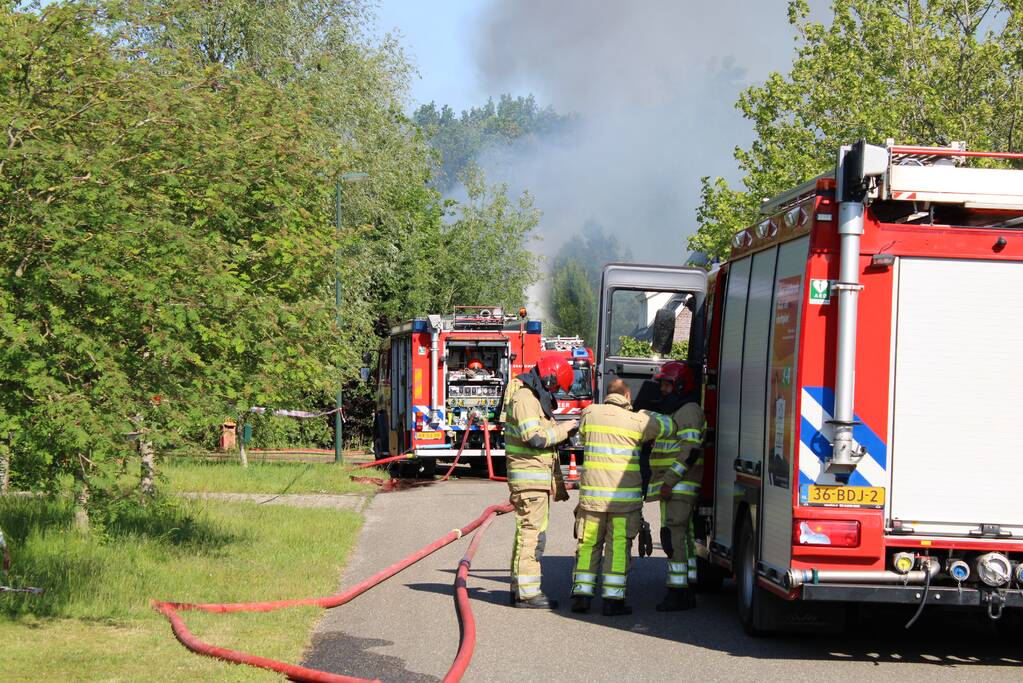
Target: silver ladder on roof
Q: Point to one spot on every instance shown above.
(925, 156)
(917, 174)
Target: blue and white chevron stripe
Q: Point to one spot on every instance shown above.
(815, 434)
(424, 410)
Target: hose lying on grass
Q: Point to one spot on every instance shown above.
(467, 638)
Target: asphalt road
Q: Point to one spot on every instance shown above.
(406, 629)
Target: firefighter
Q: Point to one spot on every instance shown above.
(676, 472)
(534, 472)
(610, 496)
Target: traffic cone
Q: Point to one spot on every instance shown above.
(573, 473)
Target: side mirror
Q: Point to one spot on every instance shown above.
(364, 374)
(663, 331)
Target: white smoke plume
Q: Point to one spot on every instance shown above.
(654, 83)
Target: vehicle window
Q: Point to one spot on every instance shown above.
(582, 384)
(631, 316)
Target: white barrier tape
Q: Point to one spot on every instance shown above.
(295, 413)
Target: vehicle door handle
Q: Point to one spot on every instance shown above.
(747, 466)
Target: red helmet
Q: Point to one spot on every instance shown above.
(679, 374)
(475, 364)
(555, 371)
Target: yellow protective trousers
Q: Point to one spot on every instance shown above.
(676, 515)
(531, 513)
(605, 545)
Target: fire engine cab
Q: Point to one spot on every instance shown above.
(442, 375)
(860, 355)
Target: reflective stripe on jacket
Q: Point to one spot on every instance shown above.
(530, 469)
(689, 426)
(612, 435)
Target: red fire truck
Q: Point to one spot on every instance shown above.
(436, 371)
(574, 351)
(862, 381)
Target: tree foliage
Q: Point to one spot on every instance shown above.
(921, 72)
(573, 303)
(575, 273)
(460, 140)
(639, 348)
(167, 246)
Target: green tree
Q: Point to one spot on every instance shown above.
(157, 242)
(573, 304)
(920, 72)
(592, 247)
(167, 241)
(483, 256)
(460, 140)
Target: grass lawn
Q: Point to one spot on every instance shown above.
(94, 622)
(263, 477)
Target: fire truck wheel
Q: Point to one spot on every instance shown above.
(478, 466)
(756, 606)
(427, 467)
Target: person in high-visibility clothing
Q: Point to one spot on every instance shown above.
(676, 464)
(534, 473)
(610, 496)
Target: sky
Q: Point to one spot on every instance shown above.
(654, 83)
(433, 32)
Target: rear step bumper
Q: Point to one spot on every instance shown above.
(937, 595)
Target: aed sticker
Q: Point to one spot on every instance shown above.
(422, 350)
(820, 291)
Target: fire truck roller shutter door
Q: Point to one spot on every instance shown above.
(953, 462)
(780, 475)
(729, 386)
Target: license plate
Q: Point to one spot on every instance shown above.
(429, 436)
(845, 496)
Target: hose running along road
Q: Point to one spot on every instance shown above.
(467, 640)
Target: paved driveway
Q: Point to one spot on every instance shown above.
(406, 629)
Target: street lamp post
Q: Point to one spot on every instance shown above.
(343, 178)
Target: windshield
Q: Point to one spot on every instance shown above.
(582, 384)
(631, 316)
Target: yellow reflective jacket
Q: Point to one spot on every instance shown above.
(612, 437)
(529, 468)
(668, 457)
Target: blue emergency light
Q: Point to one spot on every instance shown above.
(579, 353)
(533, 326)
(420, 325)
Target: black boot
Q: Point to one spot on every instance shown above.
(539, 602)
(615, 608)
(581, 604)
(677, 600)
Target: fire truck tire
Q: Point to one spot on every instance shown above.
(427, 467)
(500, 467)
(757, 607)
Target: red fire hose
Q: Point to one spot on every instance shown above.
(301, 673)
(384, 461)
(466, 621)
